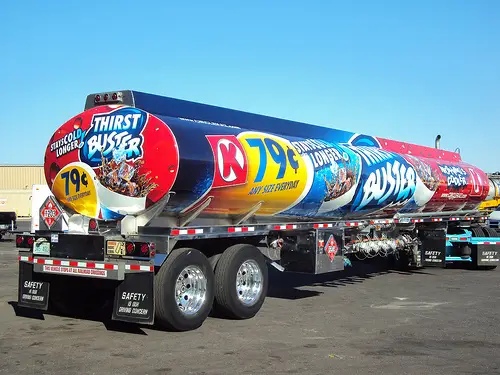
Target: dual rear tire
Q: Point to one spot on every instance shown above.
(241, 282)
(189, 286)
(481, 232)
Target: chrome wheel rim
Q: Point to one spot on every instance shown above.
(190, 290)
(249, 282)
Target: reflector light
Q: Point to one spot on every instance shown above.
(130, 247)
(152, 249)
(144, 248)
(19, 240)
(30, 241)
(92, 224)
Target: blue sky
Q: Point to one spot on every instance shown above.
(401, 70)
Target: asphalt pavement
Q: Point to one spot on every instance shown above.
(364, 321)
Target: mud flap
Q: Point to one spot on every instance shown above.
(134, 299)
(31, 294)
(488, 255)
(433, 247)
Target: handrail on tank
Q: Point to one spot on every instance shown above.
(420, 214)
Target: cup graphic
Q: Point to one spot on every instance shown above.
(119, 203)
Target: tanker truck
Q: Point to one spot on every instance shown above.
(491, 206)
(175, 209)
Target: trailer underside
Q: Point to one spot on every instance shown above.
(188, 272)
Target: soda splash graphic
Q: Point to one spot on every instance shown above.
(122, 177)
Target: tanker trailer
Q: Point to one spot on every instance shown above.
(491, 205)
(176, 208)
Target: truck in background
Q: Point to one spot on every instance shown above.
(8, 222)
(494, 219)
(174, 207)
(46, 213)
(491, 206)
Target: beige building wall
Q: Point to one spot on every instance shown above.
(16, 182)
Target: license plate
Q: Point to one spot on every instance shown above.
(115, 247)
(41, 248)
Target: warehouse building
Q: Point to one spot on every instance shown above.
(16, 182)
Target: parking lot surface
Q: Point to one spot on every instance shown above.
(364, 321)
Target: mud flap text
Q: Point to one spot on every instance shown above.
(31, 293)
(433, 248)
(134, 299)
(488, 255)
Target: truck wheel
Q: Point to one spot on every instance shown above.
(184, 290)
(480, 232)
(241, 280)
(490, 232)
(214, 259)
(477, 232)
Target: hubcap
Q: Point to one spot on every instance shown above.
(249, 282)
(190, 290)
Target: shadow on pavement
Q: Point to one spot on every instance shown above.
(284, 285)
(101, 315)
(26, 313)
(85, 306)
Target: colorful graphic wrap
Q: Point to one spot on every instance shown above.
(116, 135)
(336, 172)
(111, 161)
(388, 181)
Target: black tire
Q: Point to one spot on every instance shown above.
(480, 232)
(227, 302)
(214, 259)
(168, 314)
(477, 232)
(490, 232)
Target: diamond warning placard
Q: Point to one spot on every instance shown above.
(331, 247)
(49, 212)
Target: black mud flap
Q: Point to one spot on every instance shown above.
(488, 255)
(433, 247)
(31, 293)
(134, 299)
